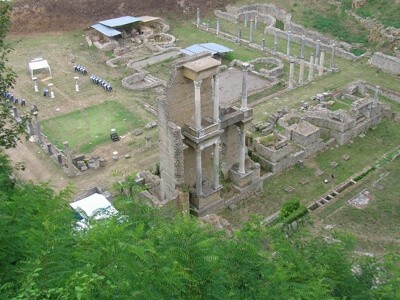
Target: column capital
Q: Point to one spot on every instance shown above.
(197, 83)
(245, 66)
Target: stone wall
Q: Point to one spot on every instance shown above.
(385, 63)
(392, 95)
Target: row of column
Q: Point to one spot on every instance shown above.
(311, 65)
(197, 101)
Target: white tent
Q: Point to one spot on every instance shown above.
(38, 64)
(96, 205)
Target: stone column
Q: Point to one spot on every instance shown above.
(377, 92)
(15, 112)
(38, 132)
(288, 44)
(255, 22)
(218, 25)
(198, 17)
(69, 160)
(239, 35)
(199, 173)
(245, 19)
(207, 24)
(333, 56)
(303, 37)
(275, 41)
(216, 166)
(251, 31)
(263, 44)
(59, 159)
(321, 63)
(49, 149)
(317, 53)
(291, 75)
(242, 151)
(244, 87)
(216, 97)
(301, 73)
(197, 105)
(311, 69)
(30, 127)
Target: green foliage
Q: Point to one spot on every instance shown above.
(10, 128)
(292, 210)
(269, 140)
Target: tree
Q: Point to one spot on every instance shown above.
(10, 128)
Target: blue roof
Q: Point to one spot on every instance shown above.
(121, 21)
(107, 31)
(213, 48)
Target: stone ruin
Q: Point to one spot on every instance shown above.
(199, 141)
(310, 130)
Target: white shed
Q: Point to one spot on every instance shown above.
(38, 64)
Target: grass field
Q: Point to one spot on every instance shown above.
(376, 227)
(85, 129)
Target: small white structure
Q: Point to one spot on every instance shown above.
(95, 206)
(38, 64)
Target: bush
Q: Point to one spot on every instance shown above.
(289, 207)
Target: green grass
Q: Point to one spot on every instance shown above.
(339, 105)
(161, 70)
(375, 226)
(85, 129)
(385, 11)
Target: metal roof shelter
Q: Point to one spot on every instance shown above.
(121, 21)
(145, 19)
(107, 31)
(95, 205)
(213, 48)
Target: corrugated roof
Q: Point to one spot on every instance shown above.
(107, 31)
(213, 48)
(121, 21)
(148, 18)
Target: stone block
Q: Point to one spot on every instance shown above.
(289, 189)
(84, 168)
(333, 164)
(346, 157)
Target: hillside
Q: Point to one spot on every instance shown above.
(31, 16)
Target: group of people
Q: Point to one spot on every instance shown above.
(80, 69)
(14, 99)
(97, 80)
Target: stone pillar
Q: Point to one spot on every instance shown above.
(301, 73)
(311, 69)
(288, 44)
(216, 166)
(263, 45)
(245, 19)
(218, 25)
(38, 132)
(291, 75)
(15, 112)
(197, 105)
(275, 41)
(361, 87)
(148, 141)
(303, 41)
(377, 92)
(255, 22)
(242, 151)
(317, 53)
(69, 160)
(59, 159)
(199, 173)
(198, 17)
(333, 56)
(239, 35)
(207, 24)
(30, 127)
(49, 149)
(321, 63)
(251, 32)
(244, 87)
(216, 97)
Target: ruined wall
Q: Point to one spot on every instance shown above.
(386, 63)
(230, 140)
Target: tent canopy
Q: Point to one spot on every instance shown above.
(95, 204)
(38, 64)
(107, 31)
